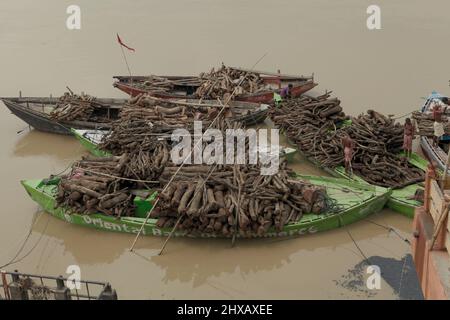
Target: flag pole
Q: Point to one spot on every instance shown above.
(123, 53)
(125, 59)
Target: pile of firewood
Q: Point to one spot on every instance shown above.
(71, 107)
(217, 84)
(317, 126)
(134, 136)
(235, 200)
(93, 186)
(174, 114)
(157, 84)
(425, 123)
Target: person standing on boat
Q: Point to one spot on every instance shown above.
(408, 136)
(277, 99)
(348, 145)
(438, 124)
(286, 92)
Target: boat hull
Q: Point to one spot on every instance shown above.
(376, 199)
(36, 120)
(42, 122)
(89, 145)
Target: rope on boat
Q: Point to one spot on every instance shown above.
(390, 229)
(366, 259)
(402, 116)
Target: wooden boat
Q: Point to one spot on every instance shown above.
(36, 112)
(434, 153)
(353, 202)
(399, 199)
(430, 246)
(185, 86)
(90, 140)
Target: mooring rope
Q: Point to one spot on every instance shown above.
(13, 260)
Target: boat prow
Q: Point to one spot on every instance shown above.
(435, 154)
(35, 111)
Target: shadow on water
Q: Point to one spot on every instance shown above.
(194, 260)
(400, 275)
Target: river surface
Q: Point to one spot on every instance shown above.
(388, 70)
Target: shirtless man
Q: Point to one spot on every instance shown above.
(408, 136)
(348, 145)
(438, 125)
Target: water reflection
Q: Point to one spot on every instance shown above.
(34, 143)
(196, 261)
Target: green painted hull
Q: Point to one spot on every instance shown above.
(398, 200)
(89, 145)
(355, 202)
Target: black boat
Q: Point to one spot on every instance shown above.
(36, 112)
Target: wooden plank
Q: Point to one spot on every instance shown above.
(437, 201)
(447, 184)
(448, 223)
(447, 243)
(435, 211)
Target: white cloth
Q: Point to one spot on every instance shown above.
(438, 129)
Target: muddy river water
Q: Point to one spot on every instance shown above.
(388, 70)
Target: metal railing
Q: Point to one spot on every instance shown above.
(22, 286)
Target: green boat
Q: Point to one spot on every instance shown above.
(90, 139)
(352, 202)
(399, 200)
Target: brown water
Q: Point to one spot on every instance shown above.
(388, 70)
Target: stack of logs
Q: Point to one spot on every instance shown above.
(235, 200)
(317, 126)
(156, 84)
(94, 185)
(425, 123)
(73, 107)
(217, 84)
(173, 114)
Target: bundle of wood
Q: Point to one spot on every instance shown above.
(307, 111)
(74, 107)
(172, 114)
(376, 128)
(93, 186)
(235, 200)
(316, 126)
(157, 84)
(134, 136)
(425, 123)
(217, 84)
